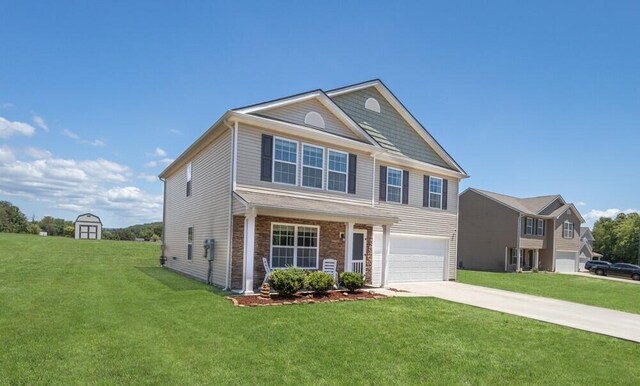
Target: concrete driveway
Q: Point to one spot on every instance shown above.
(618, 324)
(593, 276)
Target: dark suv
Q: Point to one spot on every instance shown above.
(596, 263)
(619, 269)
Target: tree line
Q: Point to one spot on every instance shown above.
(618, 239)
(12, 220)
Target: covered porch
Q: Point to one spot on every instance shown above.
(526, 259)
(290, 230)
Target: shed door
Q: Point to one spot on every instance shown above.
(566, 261)
(88, 231)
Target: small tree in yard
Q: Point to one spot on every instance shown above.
(319, 282)
(352, 281)
(287, 281)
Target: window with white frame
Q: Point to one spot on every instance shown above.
(312, 166)
(285, 161)
(529, 226)
(435, 192)
(567, 230)
(294, 245)
(394, 185)
(189, 243)
(513, 258)
(189, 179)
(338, 166)
(540, 226)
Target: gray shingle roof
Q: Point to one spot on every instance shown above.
(530, 205)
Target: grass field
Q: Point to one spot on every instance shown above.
(592, 291)
(85, 312)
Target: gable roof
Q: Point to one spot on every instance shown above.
(528, 205)
(258, 109)
(586, 232)
(395, 103)
(90, 215)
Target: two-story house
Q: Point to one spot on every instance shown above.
(586, 250)
(347, 174)
(505, 233)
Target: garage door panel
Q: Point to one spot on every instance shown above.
(411, 259)
(566, 261)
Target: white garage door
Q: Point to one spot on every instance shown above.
(412, 258)
(566, 261)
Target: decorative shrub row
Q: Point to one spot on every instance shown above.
(290, 280)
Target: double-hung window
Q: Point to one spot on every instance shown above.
(567, 230)
(294, 245)
(189, 243)
(285, 161)
(338, 166)
(540, 225)
(529, 226)
(435, 192)
(312, 166)
(189, 179)
(394, 185)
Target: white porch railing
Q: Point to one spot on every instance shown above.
(358, 266)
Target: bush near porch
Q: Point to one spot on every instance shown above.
(105, 313)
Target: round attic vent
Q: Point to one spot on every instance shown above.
(314, 119)
(372, 104)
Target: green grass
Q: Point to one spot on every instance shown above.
(83, 312)
(592, 291)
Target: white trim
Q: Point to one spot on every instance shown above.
(249, 248)
(528, 224)
(348, 246)
(322, 168)
(346, 173)
(389, 168)
(539, 232)
(295, 244)
(441, 192)
(193, 236)
(565, 230)
(273, 161)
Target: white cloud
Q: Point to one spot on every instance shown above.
(70, 134)
(581, 203)
(77, 185)
(159, 152)
(153, 164)
(176, 132)
(594, 214)
(8, 128)
(147, 177)
(39, 121)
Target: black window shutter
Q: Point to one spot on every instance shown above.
(405, 187)
(266, 158)
(445, 192)
(425, 191)
(353, 163)
(383, 183)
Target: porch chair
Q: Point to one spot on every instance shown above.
(267, 270)
(330, 266)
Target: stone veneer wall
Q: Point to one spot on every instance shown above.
(330, 245)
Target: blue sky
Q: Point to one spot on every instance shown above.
(531, 99)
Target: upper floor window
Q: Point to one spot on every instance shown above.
(529, 226)
(314, 119)
(394, 185)
(540, 226)
(372, 104)
(189, 243)
(189, 179)
(435, 192)
(285, 161)
(312, 166)
(567, 230)
(338, 166)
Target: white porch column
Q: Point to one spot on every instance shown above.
(386, 249)
(536, 258)
(249, 248)
(348, 245)
(519, 260)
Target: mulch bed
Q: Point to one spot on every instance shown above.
(302, 298)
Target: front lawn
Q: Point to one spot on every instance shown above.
(102, 312)
(592, 291)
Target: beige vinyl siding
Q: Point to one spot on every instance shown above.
(532, 241)
(486, 228)
(249, 156)
(207, 210)
(296, 112)
(562, 244)
(552, 207)
(418, 220)
(238, 207)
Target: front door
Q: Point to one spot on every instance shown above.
(358, 260)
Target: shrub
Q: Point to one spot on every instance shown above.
(318, 281)
(352, 281)
(287, 281)
(535, 270)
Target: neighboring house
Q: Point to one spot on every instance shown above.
(586, 250)
(88, 226)
(504, 233)
(347, 174)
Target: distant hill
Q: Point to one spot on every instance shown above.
(150, 232)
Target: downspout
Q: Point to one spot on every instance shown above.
(373, 183)
(163, 258)
(234, 141)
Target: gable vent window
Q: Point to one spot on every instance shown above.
(189, 180)
(314, 119)
(372, 104)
